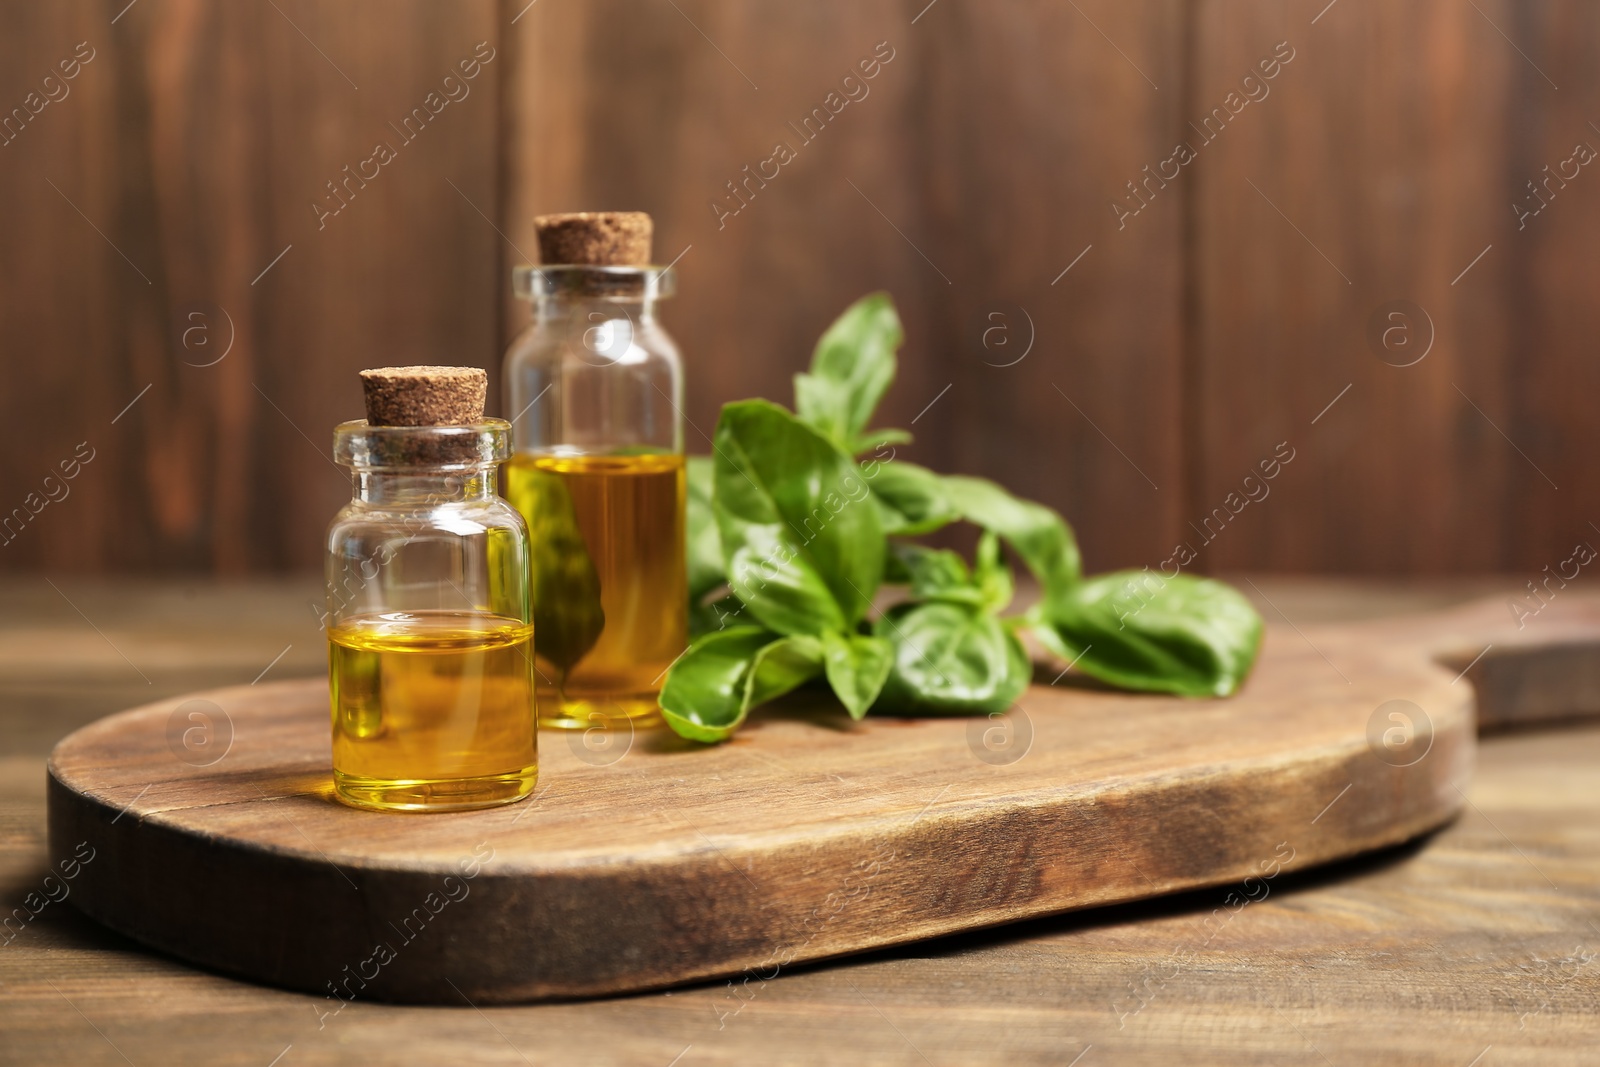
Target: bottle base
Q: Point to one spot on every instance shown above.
(434, 794)
(583, 713)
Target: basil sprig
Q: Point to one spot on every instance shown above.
(797, 519)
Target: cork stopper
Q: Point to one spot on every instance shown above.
(424, 396)
(595, 238)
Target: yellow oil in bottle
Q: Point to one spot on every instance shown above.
(432, 710)
(608, 580)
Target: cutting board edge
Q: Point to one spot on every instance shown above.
(74, 814)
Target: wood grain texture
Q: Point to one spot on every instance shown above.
(1385, 161)
(815, 837)
(1537, 388)
(1069, 386)
(196, 142)
(957, 181)
(1176, 354)
(1476, 937)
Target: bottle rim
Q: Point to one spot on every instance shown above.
(364, 447)
(594, 282)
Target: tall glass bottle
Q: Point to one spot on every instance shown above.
(596, 386)
(429, 624)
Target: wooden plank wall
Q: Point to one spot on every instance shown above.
(1392, 150)
(964, 181)
(185, 159)
(1188, 343)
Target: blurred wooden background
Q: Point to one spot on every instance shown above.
(157, 212)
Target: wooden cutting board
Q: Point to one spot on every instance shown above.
(645, 861)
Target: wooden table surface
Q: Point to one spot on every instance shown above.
(1476, 947)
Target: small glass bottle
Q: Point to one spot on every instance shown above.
(429, 627)
(597, 388)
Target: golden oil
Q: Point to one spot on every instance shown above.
(432, 710)
(608, 580)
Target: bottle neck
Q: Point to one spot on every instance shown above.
(424, 488)
(556, 306)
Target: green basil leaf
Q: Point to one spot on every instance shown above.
(567, 615)
(820, 403)
(703, 695)
(783, 592)
(719, 614)
(935, 573)
(712, 687)
(871, 442)
(940, 574)
(1142, 630)
(1037, 534)
(852, 366)
(785, 664)
(802, 543)
(912, 499)
(894, 568)
(703, 544)
(857, 666)
(951, 658)
(991, 575)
